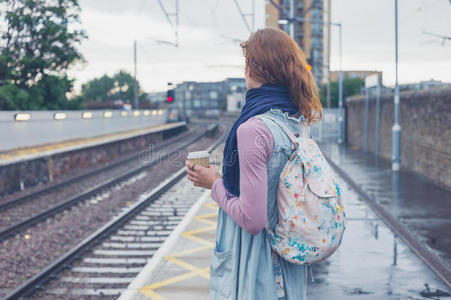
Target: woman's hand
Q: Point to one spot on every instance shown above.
(202, 176)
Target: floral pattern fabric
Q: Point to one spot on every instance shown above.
(312, 220)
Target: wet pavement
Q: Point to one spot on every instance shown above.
(415, 201)
(371, 263)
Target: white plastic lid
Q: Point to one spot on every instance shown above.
(198, 154)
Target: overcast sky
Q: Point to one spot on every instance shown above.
(205, 55)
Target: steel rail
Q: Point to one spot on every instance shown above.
(30, 197)
(12, 230)
(64, 262)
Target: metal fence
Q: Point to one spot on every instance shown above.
(327, 129)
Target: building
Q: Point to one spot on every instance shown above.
(155, 98)
(237, 85)
(235, 101)
(353, 74)
(424, 85)
(308, 31)
(196, 98)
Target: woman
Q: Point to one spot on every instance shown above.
(243, 266)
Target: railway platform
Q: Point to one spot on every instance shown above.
(26, 168)
(180, 268)
(27, 153)
(25, 129)
(373, 262)
(415, 208)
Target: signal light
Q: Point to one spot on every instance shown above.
(170, 95)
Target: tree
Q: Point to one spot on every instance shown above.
(36, 49)
(97, 89)
(124, 84)
(351, 86)
(117, 87)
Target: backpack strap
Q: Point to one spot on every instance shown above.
(291, 136)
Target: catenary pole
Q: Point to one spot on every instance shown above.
(341, 120)
(135, 84)
(396, 129)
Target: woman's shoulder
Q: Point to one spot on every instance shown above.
(255, 135)
(253, 126)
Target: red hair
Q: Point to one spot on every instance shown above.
(273, 57)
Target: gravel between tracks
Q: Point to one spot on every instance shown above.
(22, 258)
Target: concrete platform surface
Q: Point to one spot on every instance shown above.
(372, 262)
(418, 210)
(180, 268)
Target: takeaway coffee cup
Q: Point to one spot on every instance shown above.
(199, 158)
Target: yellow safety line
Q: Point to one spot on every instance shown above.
(198, 239)
(187, 266)
(149, 290)
(175, 258)
(211, 205)
(181, 253)
(206, 221)
(200, 230)
(151, 294)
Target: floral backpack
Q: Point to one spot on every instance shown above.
(311, 213)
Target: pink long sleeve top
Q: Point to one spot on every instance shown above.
(255, 146)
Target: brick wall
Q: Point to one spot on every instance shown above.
(425, 119)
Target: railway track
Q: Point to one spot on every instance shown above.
(63, 183)
(110, 258)
(91, 191)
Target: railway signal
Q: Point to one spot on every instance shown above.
(170, 96)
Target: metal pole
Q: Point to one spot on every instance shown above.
(378, 109)
(341, 137)
(328, 89)
(292, 18)
(396, 129)
(177, 23)
(367, 109)
(135, 84)
(253, 15)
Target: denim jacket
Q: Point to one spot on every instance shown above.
(241, 266)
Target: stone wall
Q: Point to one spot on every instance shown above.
(425, 119)
(32, 172)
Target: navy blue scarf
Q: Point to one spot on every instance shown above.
(258, 101)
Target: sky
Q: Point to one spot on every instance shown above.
(207, 52)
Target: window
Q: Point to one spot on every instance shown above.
(213, 94)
